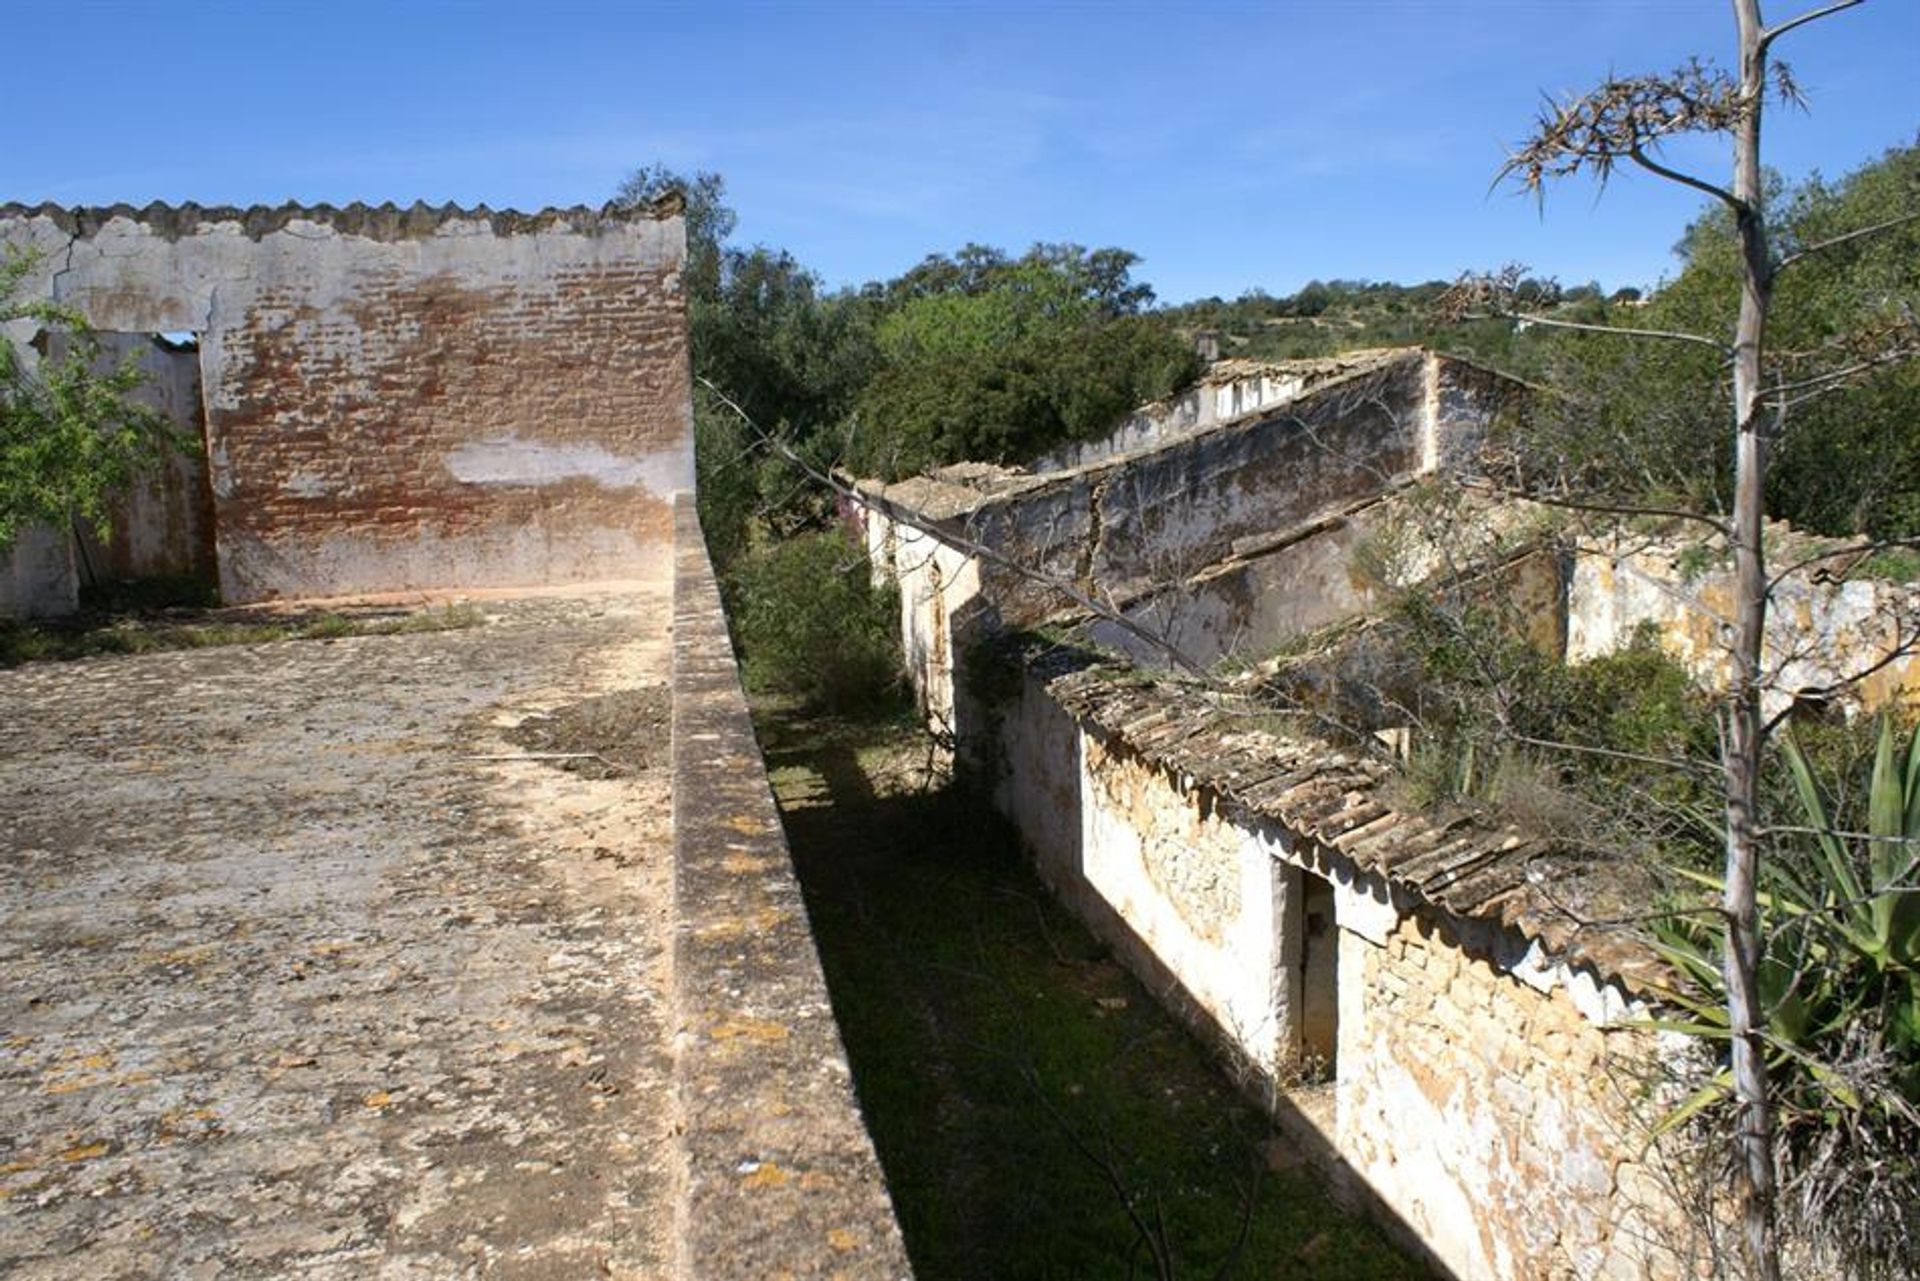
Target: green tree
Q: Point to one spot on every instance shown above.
(709, 219)
(765, 335)
(70, 439)
(997, 359)
(1638, 419)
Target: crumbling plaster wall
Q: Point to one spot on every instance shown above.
(1497, 1106)
(1821, 631)
(163, 525)
(1228, 391)
(1486, 1098)
(1254, 604)
(409, 399)
(936, 581)
(38, 575)
(1125, 527)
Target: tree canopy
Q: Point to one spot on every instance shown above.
(1642, 419)
(999, 359)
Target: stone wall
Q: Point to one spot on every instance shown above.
(782, 1178)
(1126, 527)
(1502, 1123)
(1823, 627)
(1228, 391)
(1486, 1083)
(408, 399)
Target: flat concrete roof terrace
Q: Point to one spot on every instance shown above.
(311, 964)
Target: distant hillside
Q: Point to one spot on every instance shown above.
(1328, 317)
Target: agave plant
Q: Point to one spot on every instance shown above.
(1877, 921)
(1840, 983)
(1840, 947)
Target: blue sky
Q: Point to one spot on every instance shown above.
(1230, 145)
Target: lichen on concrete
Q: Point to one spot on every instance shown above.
(308, 970)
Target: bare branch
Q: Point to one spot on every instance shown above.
(1495, 295)
(1858, 550)
(1774, 32)
(1814, 388)
(1671, 335)
(1832, 242)
(1893, 655)
(1604, 509)
(1671, 174)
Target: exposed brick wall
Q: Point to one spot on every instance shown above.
(356, 422)
(458, 401)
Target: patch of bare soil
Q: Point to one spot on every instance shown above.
(608, 736)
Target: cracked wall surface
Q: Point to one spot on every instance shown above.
(1489, 1082)
(1162, 503)
(408, 399)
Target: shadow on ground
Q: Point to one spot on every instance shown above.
(1036, 1113)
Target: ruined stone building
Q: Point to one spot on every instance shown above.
(415, 400)
(410, 400)
(1485, 1065)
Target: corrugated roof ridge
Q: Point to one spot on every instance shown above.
(385, 221)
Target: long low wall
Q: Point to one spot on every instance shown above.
(1136, 526)
(1485, 1067)
(782, 1176)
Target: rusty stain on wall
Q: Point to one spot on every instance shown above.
(426, 398)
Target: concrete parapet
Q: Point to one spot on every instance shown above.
(782, 1178)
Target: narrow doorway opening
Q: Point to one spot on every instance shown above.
(157, 548)
(1319, 1021)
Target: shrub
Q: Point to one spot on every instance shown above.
(1839, 977)
(813, 626)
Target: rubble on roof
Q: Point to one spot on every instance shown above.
(1460, 861)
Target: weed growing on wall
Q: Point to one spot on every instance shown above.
(70, 439)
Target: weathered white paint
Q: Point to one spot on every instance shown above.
(157, 527)
(1820, 632)
(38, 578)
(510, 460)
(1363, 904)
(940, 604)
(1472, 1099)
(352, 564)
(331, 294)
(1220, 535)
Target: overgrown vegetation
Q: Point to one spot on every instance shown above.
(1841, 978)
(813, 625)
(1640, 421)
(1036, 1112)
(997, 359)
(94, 632)
(70, 437)
(1325, 318)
